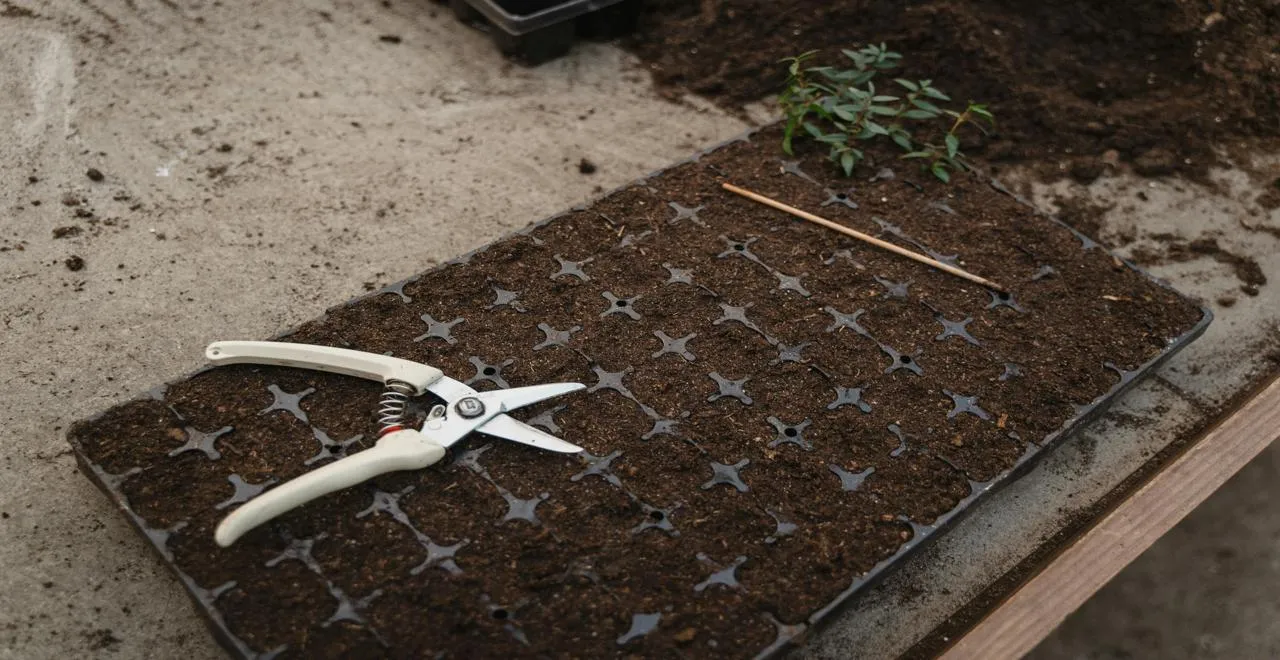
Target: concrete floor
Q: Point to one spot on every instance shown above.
(350, 162)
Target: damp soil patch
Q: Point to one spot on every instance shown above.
(775, 416)
(1246, 269)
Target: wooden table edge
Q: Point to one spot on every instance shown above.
(1033, 611)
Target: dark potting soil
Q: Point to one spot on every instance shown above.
(773, 411)
(1160, 82)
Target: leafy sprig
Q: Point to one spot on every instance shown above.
(841, 107)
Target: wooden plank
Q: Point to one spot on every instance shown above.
(1039, 606)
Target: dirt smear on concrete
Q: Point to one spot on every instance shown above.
(1176, 250)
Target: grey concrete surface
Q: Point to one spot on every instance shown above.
(352, 162)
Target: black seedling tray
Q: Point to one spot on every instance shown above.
(535, 31)
(735, 523)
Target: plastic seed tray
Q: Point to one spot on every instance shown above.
(775, 417)
(539, 30)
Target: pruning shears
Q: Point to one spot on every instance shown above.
(398, 448)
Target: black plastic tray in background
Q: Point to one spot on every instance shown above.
(535, 31)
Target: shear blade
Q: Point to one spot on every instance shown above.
(520, 397)
(510, 428)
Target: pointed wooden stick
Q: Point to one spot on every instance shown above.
(805, 215)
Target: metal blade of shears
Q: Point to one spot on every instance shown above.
(519, 397)
(510, 428)
(493, 421)
(451, 390)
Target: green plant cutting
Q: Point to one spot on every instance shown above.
(841, 107)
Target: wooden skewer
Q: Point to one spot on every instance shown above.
(805, 215)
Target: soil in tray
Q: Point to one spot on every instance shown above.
(772, 409)
(1162, 83)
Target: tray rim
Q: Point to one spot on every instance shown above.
(521, 24)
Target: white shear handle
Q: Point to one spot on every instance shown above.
(402, 450)
(372, 366)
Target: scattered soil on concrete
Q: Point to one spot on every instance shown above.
(1270, 198)
(1082, 213)
(774, 409)
(101, 639)
(10, 10)
(1174, 250)
(1157, 81)
(74, 263)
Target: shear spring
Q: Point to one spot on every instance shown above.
(392, 405)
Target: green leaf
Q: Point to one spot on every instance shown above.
(834, 75)
(902, 140)
(842, 78)
(919, 114)
(862, 78)
(883, 110)
(940, 170)
(935, 94)
(875, 128)
(908, 84)
(813, 130)
(953, 145)
(847, 161)
(885, 99)
(801, 57)
(787, 132)
(845, 112)
(918, 154)
(981, 111)
(857, 94)
(860, 60)
(925, 105)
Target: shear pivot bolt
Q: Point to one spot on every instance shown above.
(470, 407)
